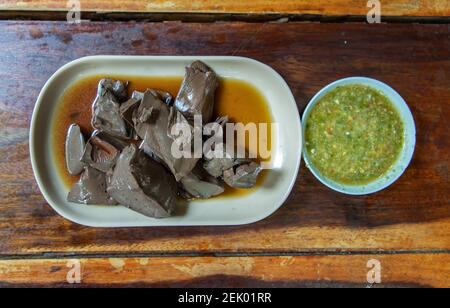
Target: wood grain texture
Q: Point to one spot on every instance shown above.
(317, 7)
(299, 271)
(413, 214)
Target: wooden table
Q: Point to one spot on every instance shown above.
(319, 237)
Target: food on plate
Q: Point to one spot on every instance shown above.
(142, 184)
(354, 134)
(199, 184)
(155, 136)
(100, 154)
(242, 175)
(197, 92)
(91, 189)
(106, 115)
(74, 150)
(128, 157)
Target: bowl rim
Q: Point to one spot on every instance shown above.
(402, 162)
(80, 61)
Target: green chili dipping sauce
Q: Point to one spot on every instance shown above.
(354, 135)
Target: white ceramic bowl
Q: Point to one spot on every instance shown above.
(286, 152)
(407, 151)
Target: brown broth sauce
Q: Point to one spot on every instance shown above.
(241, 101)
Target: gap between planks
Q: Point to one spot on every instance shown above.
(60, 255)
(213, 17)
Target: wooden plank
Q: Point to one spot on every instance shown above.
(413, 214)
(333, 7)
(288, 271)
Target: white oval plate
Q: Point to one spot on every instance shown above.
(406, 154)
(286, 152)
